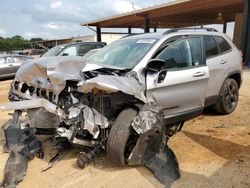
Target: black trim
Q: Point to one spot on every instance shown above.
(183, 116)
(233, 73)
(172, 107)
(209, 101)
(185, 28)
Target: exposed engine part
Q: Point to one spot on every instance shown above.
(88, 154)
(84, 159)
(41, 118)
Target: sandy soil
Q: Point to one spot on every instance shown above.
(212, 150)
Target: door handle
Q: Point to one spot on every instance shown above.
(223, 61)
(198, 74)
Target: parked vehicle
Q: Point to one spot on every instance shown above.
(90, 53)
(73, 49)
(130, 97)
(10, 63)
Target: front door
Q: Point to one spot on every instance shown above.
(181, 87)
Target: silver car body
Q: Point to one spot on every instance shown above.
(128, 111)
(183, 91)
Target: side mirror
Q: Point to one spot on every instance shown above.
(155, 65)
(65, 54)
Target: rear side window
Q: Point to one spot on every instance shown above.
(223, 44)
(84, 48)
(210, 46)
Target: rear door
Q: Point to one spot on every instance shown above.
(217, 58)
(183, 89)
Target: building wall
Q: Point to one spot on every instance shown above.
(88, 38)
(108, 38)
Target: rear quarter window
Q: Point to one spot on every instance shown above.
(210, 46)
(223, 44)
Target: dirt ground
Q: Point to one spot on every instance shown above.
(212, 150)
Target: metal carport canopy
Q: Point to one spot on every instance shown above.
(180, 13)
(183, 13)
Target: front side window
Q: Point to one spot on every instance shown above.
(55, 51)
(124, 53)
(210, 46)
(223, 44)
(70, 51)
(182, 53)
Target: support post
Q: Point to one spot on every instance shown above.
(146, 25)
(245, 37)
(98, 33)
(129, 29)
(155, 29)
(225, 27)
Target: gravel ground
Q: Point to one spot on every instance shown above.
(212, 150)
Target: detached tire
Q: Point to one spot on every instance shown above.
(119, 136)
(228, 97)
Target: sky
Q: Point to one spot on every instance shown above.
(54, 19)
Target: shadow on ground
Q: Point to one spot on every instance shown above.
(238, 163)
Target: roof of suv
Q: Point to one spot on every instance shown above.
(174, 32)
(76, 43)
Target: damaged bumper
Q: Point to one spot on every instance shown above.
(32, 104)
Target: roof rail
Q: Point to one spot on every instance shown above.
(183, 29)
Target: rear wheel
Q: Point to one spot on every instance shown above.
(228, 97)
(122, 138)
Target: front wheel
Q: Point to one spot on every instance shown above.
(228, 97)
(122, 138)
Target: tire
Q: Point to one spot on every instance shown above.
(119, 135)
(228, 97)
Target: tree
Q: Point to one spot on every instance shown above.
(36, 39)
(15, 43)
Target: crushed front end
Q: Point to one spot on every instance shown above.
(78, 104)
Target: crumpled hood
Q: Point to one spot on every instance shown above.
(51, 73)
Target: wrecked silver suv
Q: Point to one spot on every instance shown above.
(127, 99)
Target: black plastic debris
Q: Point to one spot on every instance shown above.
(23, 145)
